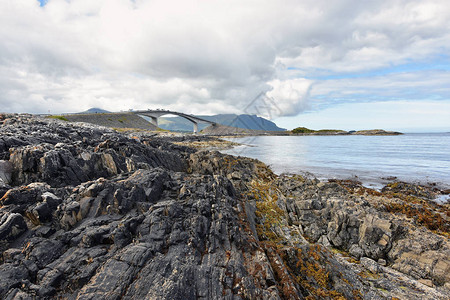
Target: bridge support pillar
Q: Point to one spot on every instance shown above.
(154, 121)
(195, 127)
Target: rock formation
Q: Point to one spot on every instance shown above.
(89, 213)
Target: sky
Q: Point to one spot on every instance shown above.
(347, 64)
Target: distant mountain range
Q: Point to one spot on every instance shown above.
(241, 121)
(181, 124)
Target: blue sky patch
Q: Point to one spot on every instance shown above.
(438, 63)
(42, 2)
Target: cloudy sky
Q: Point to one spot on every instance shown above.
(347, 64)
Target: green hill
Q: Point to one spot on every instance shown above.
(113, 120)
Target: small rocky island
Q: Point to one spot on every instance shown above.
(87, 212)
(307, 131)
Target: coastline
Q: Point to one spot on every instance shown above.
(226, 131)
(91, 212)
(439, 193)
(221, 143)
(359, 159)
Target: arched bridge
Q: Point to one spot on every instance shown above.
(155, 114)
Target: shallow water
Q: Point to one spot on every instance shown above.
(419, 158)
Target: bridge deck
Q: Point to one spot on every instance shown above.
(155, 114)
(159, 113)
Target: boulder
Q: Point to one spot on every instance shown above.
(370, 264)
(375, 236)
(6, 169)
(12, 225)
(11, 276)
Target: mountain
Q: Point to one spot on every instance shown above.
(94, 110)
(181, 124)
(240, 121)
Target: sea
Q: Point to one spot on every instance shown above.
(374, 160)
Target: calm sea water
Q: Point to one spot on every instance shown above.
(423, 158)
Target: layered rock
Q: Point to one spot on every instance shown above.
(361, 225)
(89, 213)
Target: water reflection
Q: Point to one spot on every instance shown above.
(410, 157)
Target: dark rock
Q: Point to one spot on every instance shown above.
(50, 278)
(6, 169)
(22, 195)
(51, 199)
(11, 276)
(410, 189)
(11, 226)
(12, 254)
(44, 231)
(39, 213)
(18, 294)
(43, 251)
(114, 216)
(68, 214)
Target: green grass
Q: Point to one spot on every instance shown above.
(302, 130)
(307, 130)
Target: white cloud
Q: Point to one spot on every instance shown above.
(291, 96)
(415, 86)
(212, 56)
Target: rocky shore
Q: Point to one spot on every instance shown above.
(222, 130)
(90, 213)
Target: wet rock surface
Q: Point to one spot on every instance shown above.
(89, 213)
